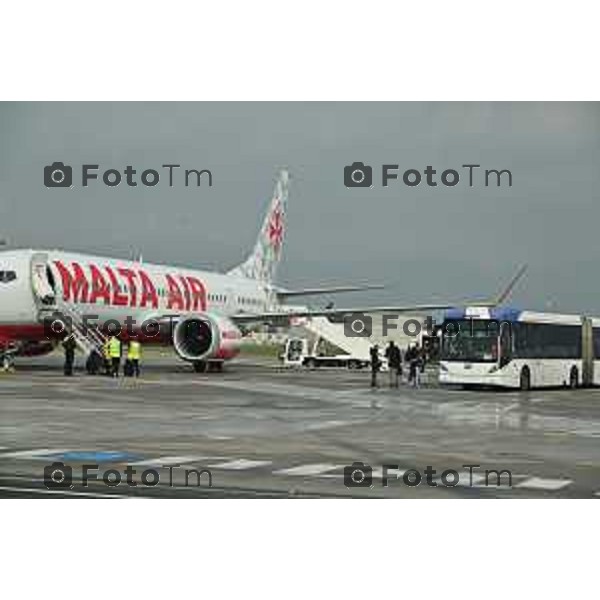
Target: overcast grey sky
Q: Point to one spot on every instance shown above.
(425, 242)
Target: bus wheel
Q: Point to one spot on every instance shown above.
(199, 366)
(525, 379)
(574, 378)
(311, 363)
(353, 364)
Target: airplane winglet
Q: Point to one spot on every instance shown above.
(506, 292)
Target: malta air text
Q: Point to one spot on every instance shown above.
(132, 287)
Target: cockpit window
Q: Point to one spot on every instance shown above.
(7, 276)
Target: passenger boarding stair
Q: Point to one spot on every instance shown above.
(334, 333)
(88, 337)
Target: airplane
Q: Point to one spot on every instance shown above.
(47, 294)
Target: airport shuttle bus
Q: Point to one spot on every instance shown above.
(510, 348)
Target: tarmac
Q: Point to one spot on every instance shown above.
(258, 430)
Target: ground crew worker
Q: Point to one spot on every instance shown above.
(134, 354)
(394, 358)
(114, 350)
(69, 345)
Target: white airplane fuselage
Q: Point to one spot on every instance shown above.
(105, 288)
(93, 294)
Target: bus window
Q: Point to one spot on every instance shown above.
(545, 340)
(597, 342)
(471, 340)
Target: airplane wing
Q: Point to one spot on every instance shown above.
(282, 294)
(505, 293)
(283, 314)
(286, 315)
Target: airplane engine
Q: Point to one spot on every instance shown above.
(206, 336)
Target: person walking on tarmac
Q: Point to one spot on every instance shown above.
(134, 354)
(69, 346)
(114, 351)
(410, 358)
(416, 366)
(394, 358)
(375, 364)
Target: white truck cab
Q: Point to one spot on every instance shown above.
(299, 352)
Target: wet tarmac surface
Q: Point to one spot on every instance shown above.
(260, 431)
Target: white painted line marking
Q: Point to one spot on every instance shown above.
(539, 483)
(391, 474)
(174, 460)
(465, 480)
(375, 474)
(79, 409)
(503, 487)
(241, 464)
(39, 453)
(312, 469)
(328, 425)
(63, 492)
(495, 485)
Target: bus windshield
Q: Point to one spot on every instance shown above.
(470, 340)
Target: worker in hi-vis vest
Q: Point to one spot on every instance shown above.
(106, 357)
(134, 355)
(114, 351)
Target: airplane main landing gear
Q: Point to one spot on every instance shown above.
(212, 366)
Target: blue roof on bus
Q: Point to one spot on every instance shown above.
(503, 313)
